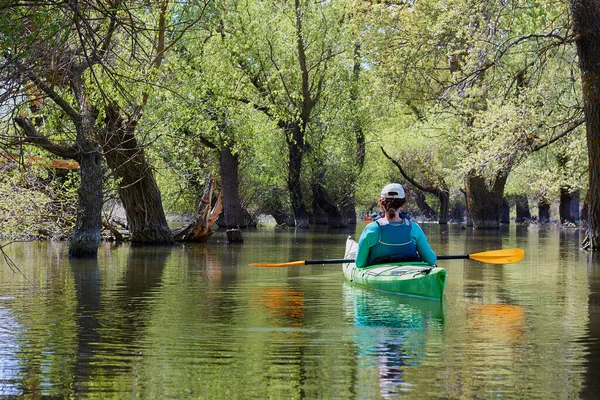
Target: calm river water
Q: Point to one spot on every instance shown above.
(195, 321)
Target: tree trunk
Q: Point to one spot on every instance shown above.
(522, 205)
(425, 208)
(575, 199)
(200, 228)
(483, 203)
(544, 212)
(295, 142)
(569, 206)
(317, 215)
(348, 209)
(586, 27)
(444, 197)
(86, 235)
(85, 238)
(468, 210)
(233, 214)
(458, 212)
(325, 203)
(137, 187)
(505, 212)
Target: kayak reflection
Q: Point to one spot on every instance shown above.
(391, 334)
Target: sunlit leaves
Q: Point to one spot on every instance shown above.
(36, 204)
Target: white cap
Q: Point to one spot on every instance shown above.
(393, 191)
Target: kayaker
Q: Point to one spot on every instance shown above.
(393, 237)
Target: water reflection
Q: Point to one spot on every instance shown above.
(284, 305)
(591, 387)
(194, 321)
(112, 323)
(495, 323)
(9, 346)
(86, 276)
(391, 334)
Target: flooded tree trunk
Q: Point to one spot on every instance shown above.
(295, 142)
(458, 212)
(200, 228)
(584, 212)
(569, 206)
(522, 205)
(233, 214)
(348, 206)
(586, 27)
(468, 210)
(86, 234)
(137, 187)
(505, 212)
(348, 210)
(425, 208)
(444, 197)
(544, 212)
(85, 238)
(317, 215)
(326, 204)
(485, 204)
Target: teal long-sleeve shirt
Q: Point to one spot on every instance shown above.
(370, 236)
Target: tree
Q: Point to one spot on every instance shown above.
(99, 55)
(124, 151)
(494, 71)
(586, 27)
(441, 190)
(54, 62)
(286, 72)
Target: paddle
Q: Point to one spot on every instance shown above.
(504, 256)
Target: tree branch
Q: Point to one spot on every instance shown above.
(33, 136)
(571, 127)
(62, 103)
(431, 190)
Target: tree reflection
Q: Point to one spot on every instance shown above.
(111, 323)
(591, 387)
(86, 276)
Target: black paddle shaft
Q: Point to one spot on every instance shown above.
(454, 257)
(343, 261)
(334, 261)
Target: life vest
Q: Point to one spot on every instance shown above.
(394, 243)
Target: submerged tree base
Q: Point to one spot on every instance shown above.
(84, 245)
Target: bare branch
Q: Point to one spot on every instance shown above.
(431, 190)
(34, 137)
(570, 128)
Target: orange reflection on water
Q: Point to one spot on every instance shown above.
(497, 321)
(280, 302)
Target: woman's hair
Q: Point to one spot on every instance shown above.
(391, 205)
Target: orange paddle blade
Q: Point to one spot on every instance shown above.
(504, 256)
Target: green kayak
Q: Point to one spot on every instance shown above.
(410, 278)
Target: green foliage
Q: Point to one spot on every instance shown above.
(487, 82)
(447, 87)
(34, 203)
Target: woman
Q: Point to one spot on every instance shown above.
(394, 236)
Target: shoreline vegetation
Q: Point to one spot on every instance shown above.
(294, 115)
